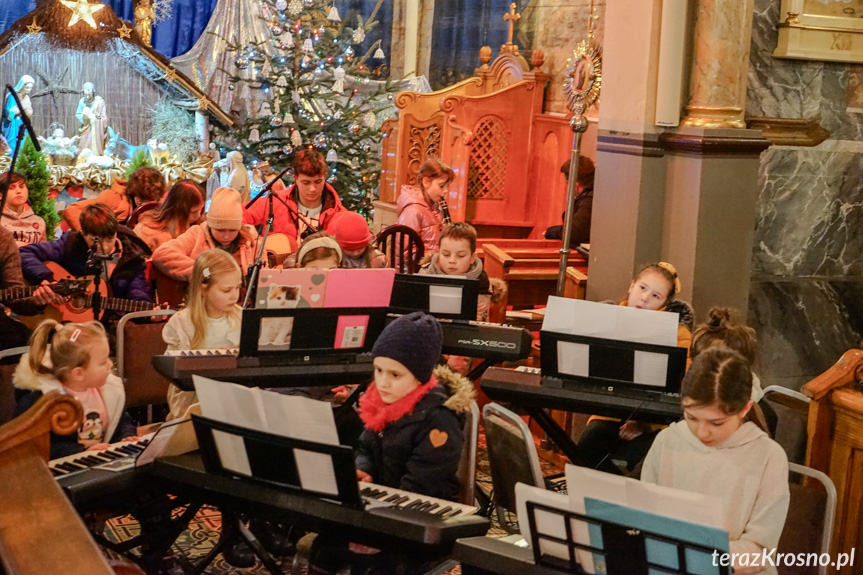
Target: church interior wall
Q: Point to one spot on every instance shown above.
(807, 270)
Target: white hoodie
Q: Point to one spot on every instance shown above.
(748, 471)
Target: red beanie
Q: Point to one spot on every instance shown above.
(351, 231)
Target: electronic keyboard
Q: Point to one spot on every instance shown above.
(491, 341)
(382, 496)
(85, 478)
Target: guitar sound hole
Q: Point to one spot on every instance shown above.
(77, 304)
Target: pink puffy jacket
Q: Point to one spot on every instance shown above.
(176, 258)
(414, 211)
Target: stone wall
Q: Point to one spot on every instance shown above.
(806, 298)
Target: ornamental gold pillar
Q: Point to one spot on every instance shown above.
(719, 65)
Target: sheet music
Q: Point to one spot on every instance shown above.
(573, 358)
(616, 322)
(299, 417)
(650, 368)
(445, 299)
(546, 523)
(316, 471)
(232, 452)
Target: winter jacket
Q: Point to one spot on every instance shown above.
(415, 211)
(284, 217)
(114, 197)
(26, 227)
(582, 210)
(378, 260)
(491, 290)
(153, 233)
(416, 443)
(176, 258)
(748, 472)
(120, 424)
(127, 281)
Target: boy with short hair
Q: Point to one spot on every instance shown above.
(124, 255)
(456, 256)
(18, 217)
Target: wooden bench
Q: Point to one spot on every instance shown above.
(531, 273)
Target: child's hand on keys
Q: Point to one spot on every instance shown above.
(131, 438)
(631, 429)
(363, 476)
(99, 447)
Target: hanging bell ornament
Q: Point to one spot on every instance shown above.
(289, 119)
(276, 120)
(333, 15)
(296, 138)
(370, 119)
(295, 96)
(379, 54)
(332, 156)
(308, 46)
(254, 136)
(282, 81)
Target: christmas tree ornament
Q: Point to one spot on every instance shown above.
(254, 135)
(358, 36)
(296, 138)
(305, 61)
(339, 84)
(338, 115)
(332, 156)
(289, 119)
(287, 38)
(295, 96)
(321, 140)
(333, 14)
(241, 63)
(318, 71)
(354, 128)
(366, 148)
(232, 86)
(379, 54)
(370, 119)
(281, 4)
(277, 106)
(282, 81)
(276, 30)
(276, 120)
(349, 53)
(308, 3)
(265, 110)
(307, 45)
(287, 149)
(295, 7)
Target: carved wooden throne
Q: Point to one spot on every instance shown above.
(491, 129)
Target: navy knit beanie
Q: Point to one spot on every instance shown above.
(413, 340)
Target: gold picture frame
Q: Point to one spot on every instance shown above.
(824, 30)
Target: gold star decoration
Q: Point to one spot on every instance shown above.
(34, 28)
(82, 10)
(170, 75)
(124, 31)
(203, 103)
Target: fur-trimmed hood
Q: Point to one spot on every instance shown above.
(687, 314)
(26, 378)
(460, 388)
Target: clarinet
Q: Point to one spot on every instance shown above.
(445, 211)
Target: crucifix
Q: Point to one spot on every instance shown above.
(511, 17)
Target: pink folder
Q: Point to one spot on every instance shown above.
(359, 287)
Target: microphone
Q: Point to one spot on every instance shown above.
(25, 118)
(267, 187)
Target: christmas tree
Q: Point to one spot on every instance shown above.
(308, 85)
(32, 165)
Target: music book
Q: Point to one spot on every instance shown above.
(359, 287)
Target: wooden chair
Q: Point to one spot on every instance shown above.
(137, 343)
(136, 215)
(403, 248)
(40, 531)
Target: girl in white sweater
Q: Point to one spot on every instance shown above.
(212, 319)
(722, 449)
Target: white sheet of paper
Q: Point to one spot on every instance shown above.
(157, 443)
(211, 397)
(685, 505)
(316, 472)
(444, 299)
(230, 403)
(573, 358)
(232, 452)
(546, 523)
(299, 417)
(650, 368)
(592, 319)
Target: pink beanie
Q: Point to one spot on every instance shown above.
(351, 230)
(226, 210)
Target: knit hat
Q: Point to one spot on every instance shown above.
(226, 210)
(413, 340)
(351, 231)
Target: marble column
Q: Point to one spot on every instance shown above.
(721, 34)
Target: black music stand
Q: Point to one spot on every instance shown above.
(416, 292)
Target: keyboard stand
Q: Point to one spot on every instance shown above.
(232, 528)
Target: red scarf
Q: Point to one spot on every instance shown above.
(376, 414)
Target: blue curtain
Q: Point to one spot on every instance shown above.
(12, 10)
(383, 31)
(460, 28)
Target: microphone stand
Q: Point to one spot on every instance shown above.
(96, 261)
(7, 181)
(255, 269)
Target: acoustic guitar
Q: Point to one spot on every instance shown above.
(78, 307)
(278, 248)
(65, 288)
